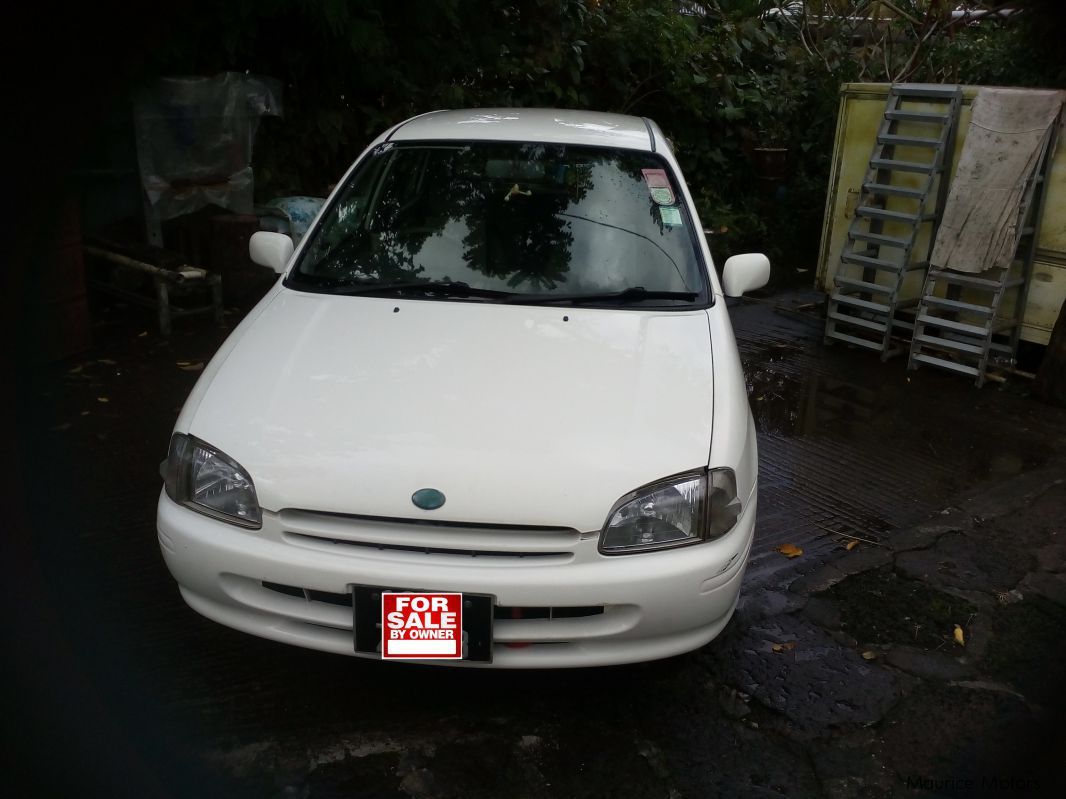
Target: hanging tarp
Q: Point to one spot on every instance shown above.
(1008, 131)
(194, 140)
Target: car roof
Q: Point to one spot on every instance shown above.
(555, 126)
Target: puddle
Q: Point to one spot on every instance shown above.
(849, 444)
(817, 405)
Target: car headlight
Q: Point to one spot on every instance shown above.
(200, 477)
(678, 511)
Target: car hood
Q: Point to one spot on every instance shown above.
(520, 415)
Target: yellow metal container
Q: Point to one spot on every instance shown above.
(862, 108)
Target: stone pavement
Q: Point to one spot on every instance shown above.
(859, 662)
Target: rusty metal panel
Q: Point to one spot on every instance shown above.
(861, 109)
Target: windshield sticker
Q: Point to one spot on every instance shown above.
(659, 186)
(671, 216)
(662, 196)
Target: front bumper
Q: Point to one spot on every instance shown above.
(654, 605)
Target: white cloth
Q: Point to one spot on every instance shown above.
(982, 218)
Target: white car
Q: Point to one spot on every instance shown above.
(498, 364)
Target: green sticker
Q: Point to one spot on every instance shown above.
(671, 216)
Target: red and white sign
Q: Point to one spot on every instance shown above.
(421, 626)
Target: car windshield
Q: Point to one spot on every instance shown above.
(507, 222)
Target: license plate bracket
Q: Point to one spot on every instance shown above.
(477, 622)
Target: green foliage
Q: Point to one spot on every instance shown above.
(721, 77)
(997, 54)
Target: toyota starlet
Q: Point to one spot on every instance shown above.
(499, 364)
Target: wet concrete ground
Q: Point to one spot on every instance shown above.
(123, 690)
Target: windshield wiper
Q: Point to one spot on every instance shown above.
(443, 288)
(632, 294)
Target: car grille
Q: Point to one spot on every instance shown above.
(309, 611)
(309, 594)
(499, 611)
(404, 538)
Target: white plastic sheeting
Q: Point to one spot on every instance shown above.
(194, 140)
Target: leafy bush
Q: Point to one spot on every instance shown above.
(721, 78)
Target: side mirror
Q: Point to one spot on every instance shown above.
(270, 249)
(744, 273)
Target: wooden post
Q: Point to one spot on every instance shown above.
(1050, 385)
(163, 297)
(216, 297)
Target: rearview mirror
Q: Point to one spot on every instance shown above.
(270, 249)
(745, 272)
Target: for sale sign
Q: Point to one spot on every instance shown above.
(418, 626)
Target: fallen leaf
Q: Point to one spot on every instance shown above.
(1009, 597)
(193, 367)
(851, 545)
(790, 550)
(869, 655)
(143, 334)
(102, 399)
(960, 638)
(788, 646)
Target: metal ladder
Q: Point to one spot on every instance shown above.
(879, 253)
(965, 332)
